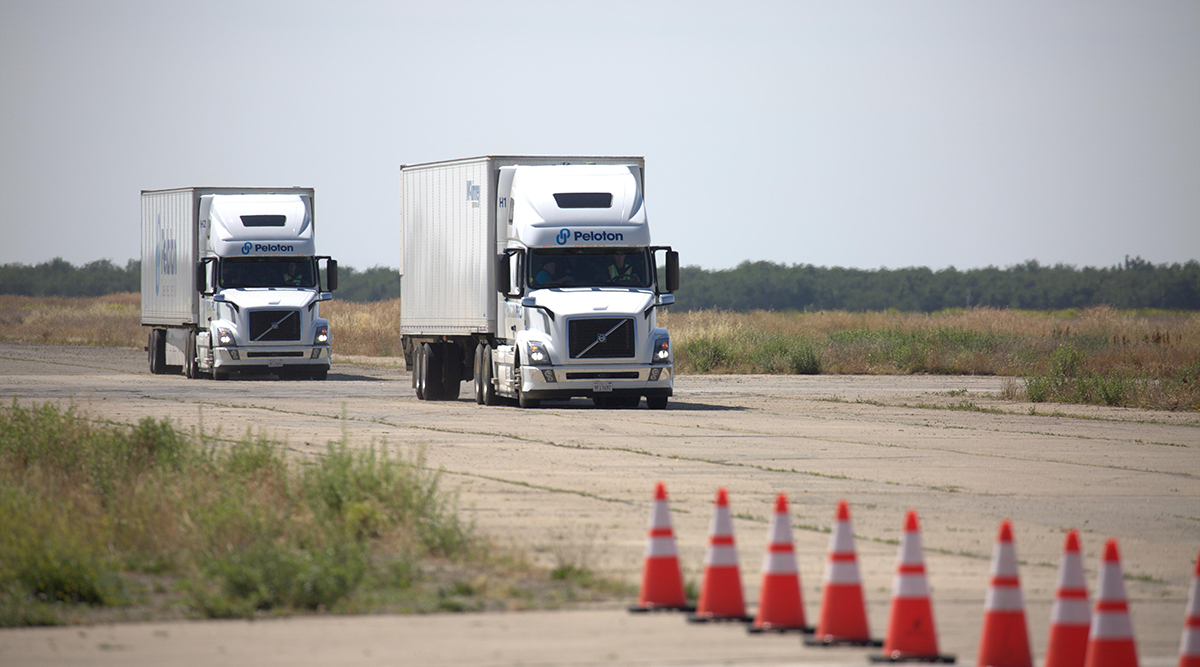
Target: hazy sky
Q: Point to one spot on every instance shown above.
(831, 133)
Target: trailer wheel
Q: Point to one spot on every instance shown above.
(156, 349)
(452, 370)
(419, 371)
(433, 372)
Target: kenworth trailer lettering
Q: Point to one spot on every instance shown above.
(231, 282)
(536, 278)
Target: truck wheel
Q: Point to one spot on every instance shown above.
(452, 363)
(656, 402)
(527, 402)
(220, 376)
(433, 372)
(156, 349)
(478, 379)
(189, 357)
(485, 377)
(419, 371)
(320, 374)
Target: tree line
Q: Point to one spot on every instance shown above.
(59, 277)
(1133, 284)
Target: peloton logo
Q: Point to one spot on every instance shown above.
(247, 247)
(565, 235)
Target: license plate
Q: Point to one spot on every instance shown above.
(275, 363)
(601, 387)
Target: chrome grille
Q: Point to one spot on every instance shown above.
(274, 325)
(601, 338)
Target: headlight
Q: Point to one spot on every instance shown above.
(225, 337)
(323, 334)
(537, 353)
(662, 350)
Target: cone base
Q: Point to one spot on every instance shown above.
(710, 617)
(844, 616)
(818, 641)
(945, 659)
(756, 629)
(634, 609)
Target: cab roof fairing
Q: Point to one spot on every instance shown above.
(229, 234)
(538, 219)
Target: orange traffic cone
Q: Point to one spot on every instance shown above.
(780, 603)
(1110, 641)
(1005, 639)
(662, 581)
(911, 635)
(843, 617)
(721, 590)
(1189, 644)
(1070, 616)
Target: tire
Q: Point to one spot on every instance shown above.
(189, 358)
(452, 370)
(476, 374)
(486, 375)
(656, 402)
(433, 370)
(319, 374)
(419, 368)
(527, 402)
(220, 376)
(156, 349)
(522, 400)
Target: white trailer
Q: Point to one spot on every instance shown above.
(535, 277)
(231, 282)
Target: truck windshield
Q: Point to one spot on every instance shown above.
(589, 267)
(268, 272)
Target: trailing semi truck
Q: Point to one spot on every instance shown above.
(536, 278)
(231, 283)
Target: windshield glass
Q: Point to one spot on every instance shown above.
(268, 272)
(589, 267)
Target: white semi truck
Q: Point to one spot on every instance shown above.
(231, 282)
(534, 276)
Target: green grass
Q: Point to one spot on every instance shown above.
(88, 513)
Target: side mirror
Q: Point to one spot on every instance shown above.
(331, 274)
(202, 278)
(672, 271)
(503, 269)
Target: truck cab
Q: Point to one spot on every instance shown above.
(580, 289)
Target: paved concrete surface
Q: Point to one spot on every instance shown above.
(569, 477)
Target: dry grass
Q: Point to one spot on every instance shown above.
(1143, 358)
(111, 320)
(371, 329)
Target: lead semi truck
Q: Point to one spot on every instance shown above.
(536, 278)
(231, 283)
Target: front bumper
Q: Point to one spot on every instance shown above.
(588, 381)
(247, 358)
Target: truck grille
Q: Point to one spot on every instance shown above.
(601, 338)
(274, 325)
